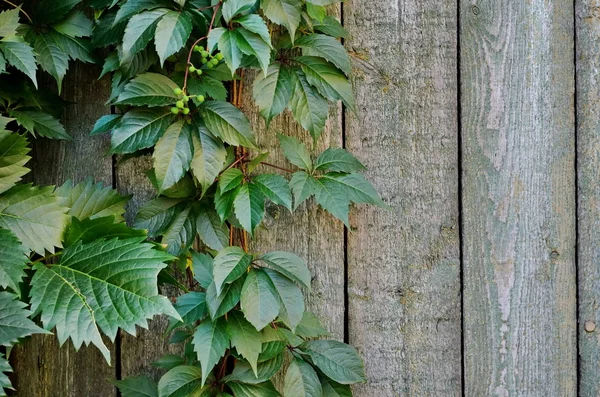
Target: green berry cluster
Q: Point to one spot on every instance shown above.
(207, 59)
(181, 104)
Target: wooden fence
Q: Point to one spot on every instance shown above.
(479, 121)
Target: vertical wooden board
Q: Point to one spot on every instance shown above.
(310, 232)
(588, 159)
(42, 368)
(404, 263)
(517, 90)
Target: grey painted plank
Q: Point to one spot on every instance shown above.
(42, 368)
(588, 159)
(404, 263)
(518, 198)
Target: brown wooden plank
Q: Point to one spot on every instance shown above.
(42, 368)
(403, 263)
(518, 198)
(588, 160)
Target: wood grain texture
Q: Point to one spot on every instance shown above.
(588, 159)
(518, 160)
(42, 368)
(404, 263)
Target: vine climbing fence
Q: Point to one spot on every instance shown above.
(479, 122)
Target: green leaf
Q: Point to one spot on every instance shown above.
(140, 386)
(210, 343)
(106, 32)
(259, 300)
(322, 2)
(106, 123)
(133, 7)
(224, 203)
(244, 338)
(202, 264)
(90, 230)
(336, 360)
(327, 47)
(290, 297)
(149, 89)
(338, 160)
(182, 381)
(284, 12)
(74, 47)
(229, 265)
(213, 39)
(253, 44)
(206, 86)
(209, 156)
(230, 179)
(139, 31)
(275, 188)
(13, 157)
(35, 215)
(172, 32)
(124, 271)
(140, 129)
(334, 389)
(301, 380)
(169, 361)
(191, 307)
(173, 154)
(296, 152)
(4, 379)
(156, 215)
(14, 320)
(51, 58)
(218, 305)
(255, 24)
(316, 12)
(333, 197)
(329, 81)
(20, 55)
(303, 186)
(228, 123)
(310, 327)
(53, 11)
(290, 265)
(212, 232)
(355, 186)
(243, 372)
(228, 46)
(92, 200)
(272, 91)
(233, 7)
(9, 22)
(331, 27)
(265, 389)
(249, 207)
(13, 261)
(309, 108)
(40, 123)
(75, 25)
(179, 236)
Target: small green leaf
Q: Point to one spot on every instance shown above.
(232, 8)
(303, 186)
(334, 389)
(296, 152)
(230, 179)
(275, 188)
(230, 264)
(326, 47)
(106, 123)
(149, 89)
(273, 90)
(336, 360)
(191, 307)
(40, 123)
(309, 108)
(316, 12)
(256, 24)
(210, 343)
(333, 197)
(301, 380)
(20, 55)
(322, 2)
(48, 12)
(13, 261)
(140, 386)
(209, 156)
(243, 372)
(92, 200)
(329, 81)
(310, 327)
(259, 300)
(290, 297)
(75, 25)
(355, 186)
(202, 265)
(182, 381)
(331, 27)
(51, 58)
(338, 160)
(253, 44)
(218, 305)
(224, 203)
(244, 338)
(179, 236)
(290, 265)
(5, 368)
(284, 12)
(172, 32)
(249, 207)
(212, 232)
(228, 123)
(228, 46)
(139, 31)
(14, 320)
(169, 361)
(139, 129)
(173, 154)
(133, 7)
(156, 215)
(9, 22)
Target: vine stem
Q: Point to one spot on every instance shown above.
(20, 9)
(277, 167)
(189, 58)
(46, 258)
(239, 160)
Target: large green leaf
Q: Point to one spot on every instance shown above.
(20, 55)
(331, 27)
(90, 230)
(303, 186)
(13, 261)
(275, 188)
(202, 265)
(210, 343)
(284, 12)
(75, 24)
(265, 389)
(43, 124)
(334, 389)
(72, 294)
(309, 108)
(233, 7)
(191, 307)
(338, 160)
(259, 300)
(182, 381)
(179, 235)
(291, 299)
(212, 231)
(296, 152)
(336, 360)
(290, 265)
(140, 129)
(230, 179)
(139, 386)
(35, 215)
(333, 197)
(172, 32)
(209, 156)
(301, 380)
(156, 215)
(51, 58)
(230, 264)
(310, 327)
(255, 24)
(273, 90)
(14, 320)
(139, 31)
(357, 188)
(253, 44)
(244, 338)
(132, 7)
(149, 89)
(328, 80)
(173, 154)
(13, 157)
(326, 47)
(74, 47)
(228, 123)
(228, 46)
(92, 200)
(220, 304)
(249, 207)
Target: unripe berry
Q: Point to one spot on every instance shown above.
(179, 104)
(198, 72)
(186, 98)
(177, 91)
(197, 48)
(209, 65)
(214, 61)
(192, 68)
(204, 54)
(186, 111)
(175, 110)
(200, 98)
(204, 60)
(219, 56)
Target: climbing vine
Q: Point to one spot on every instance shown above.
(177, 70)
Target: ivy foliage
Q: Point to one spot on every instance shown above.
(176, 68)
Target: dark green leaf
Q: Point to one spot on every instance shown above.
(5, 368)
(224, 203)
(212, 231)
(229, 265)
(243, 372)
(140, 129)
(290, 265)
(14, 320)
(291, 299)
(206, 86)
(156, 215)
(338, 160)
(40, 123)
(90, 230)
(133, 7)
(332, 27)
(20, 55)
(230, 179)
(303, 186)
(13, 261)
(209, 156)
(255, 24)
(191, 307)
(75, 25)
(139, 31)
(283, 12)
(334, 389)
(253, 44)
(172, 32)
(337, 360)
(149, 89)
(218, 305)
(140, 386)
(355, 186)
(179, 236)
(296, 152)
(301, 380)
(329, 81)
(275, 188)
(265, 389)
(249, 207)
(228, 123)
(228, 46)
(202, 266)
(51, 58)
(169, 361)
(333, 197)
(244, 338)
(182, 381)
(210, 343)
(173, 154)
(53, 11)
(259, 300)
(326, 47)
(272, 91)
(309, 108)
(106, 123)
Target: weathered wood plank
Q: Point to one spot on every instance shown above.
(518, 198)
(42, 368)
(588, 159)
(403, 264)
